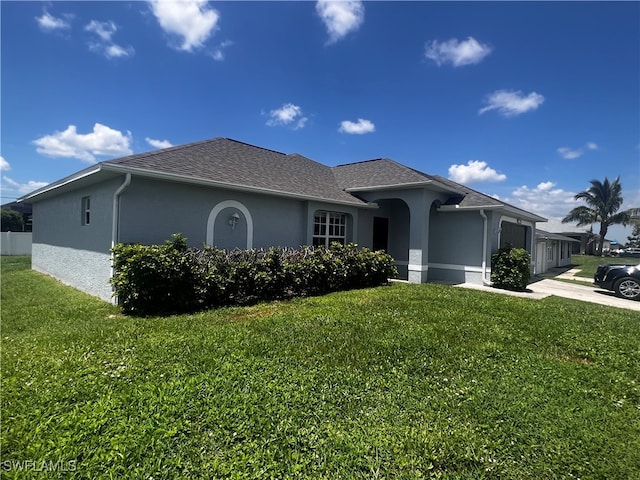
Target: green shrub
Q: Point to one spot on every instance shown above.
(157, 279)
(510, 268)
(11, 221)
(170, 278)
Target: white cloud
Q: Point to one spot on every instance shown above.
(105, 44)
(21, 188)
(457, 53)
(288, 114)
(573, 153)
(360, 127)
(158, 143)
(104, 30)
(544, 199)
(49, 23)
(567, 153)
(4, 165)
(510, 103)
(473, 172)
(218, 51)
(191, 20)
(103, 141)
(113, 51)
(340, 17)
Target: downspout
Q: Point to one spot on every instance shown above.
(116, 219)
(485, 241)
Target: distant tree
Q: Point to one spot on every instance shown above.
(634, 239)
(603, 200)
(11, 221)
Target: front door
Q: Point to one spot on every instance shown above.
(380, 233)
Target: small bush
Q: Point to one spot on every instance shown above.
(155, 279)
(510, 268)
(170, 278)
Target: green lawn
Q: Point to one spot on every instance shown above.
(589, 263)
(405, 381)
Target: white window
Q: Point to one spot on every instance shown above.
(86, 210)
(329, 227)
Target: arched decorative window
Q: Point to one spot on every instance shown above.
(231, 204)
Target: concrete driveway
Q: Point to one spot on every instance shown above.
(582, 292)
(547, 287)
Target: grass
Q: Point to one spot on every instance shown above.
(589, 263)
(405, 381)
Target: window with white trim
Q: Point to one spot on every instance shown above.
(329, 227)
(86, 210)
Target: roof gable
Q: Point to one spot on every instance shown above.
(381, 172)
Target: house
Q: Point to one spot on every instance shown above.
(230, 194)
(587, 242)
(553, 250)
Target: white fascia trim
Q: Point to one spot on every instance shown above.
(393, 186)
(521, 213)
(458, 208)
(451, 266)
(530, 216)
(231, 186)
(54, 185)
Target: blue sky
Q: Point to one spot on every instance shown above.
(523, 101)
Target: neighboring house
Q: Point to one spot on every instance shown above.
(587, 242)
(230, 194)
(553, 250)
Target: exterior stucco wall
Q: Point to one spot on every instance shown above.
(456, 238)
(76, 254)
(58, 220)
(86, 270)
(455, 246)
(152, 210)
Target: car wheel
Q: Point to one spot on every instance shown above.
(628, 288)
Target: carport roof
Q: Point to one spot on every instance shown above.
(544, 235)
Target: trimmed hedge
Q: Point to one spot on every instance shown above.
(172, 278)
(510, 268)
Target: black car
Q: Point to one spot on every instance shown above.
(622, 279)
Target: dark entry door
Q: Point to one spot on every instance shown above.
(380, 233)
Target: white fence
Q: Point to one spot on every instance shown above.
(15, 243)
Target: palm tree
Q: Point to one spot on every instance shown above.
(603, 200)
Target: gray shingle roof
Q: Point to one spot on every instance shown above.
(384, 171)
(475, 199)
(375, 173)
(230, 162)
(471, 198)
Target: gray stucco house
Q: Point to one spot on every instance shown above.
(230, 194)
(553, 250)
